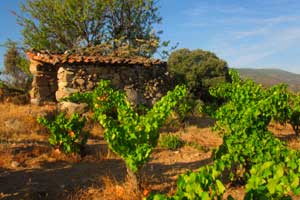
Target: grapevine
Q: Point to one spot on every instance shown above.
(66, 134)
(130, 135)
(252, 154)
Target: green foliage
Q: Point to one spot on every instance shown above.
(199, 69)
(130, 135)
(203, 184)
(244, 120)
(252, 154)
(66, 134)
(250, 104)
(132, 22)
(112, 26)
(16, 66)
(294, 113)
(2, 84)
(274, 180)
(170, 142)
(185, 107)
(60, 25)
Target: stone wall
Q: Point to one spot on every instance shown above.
(139, 83)
(143, 85)
(44, 83)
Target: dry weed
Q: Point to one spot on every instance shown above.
(111, 190)
(19, 122)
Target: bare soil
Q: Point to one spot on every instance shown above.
(31, 169)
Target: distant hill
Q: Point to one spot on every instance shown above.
(269, 77)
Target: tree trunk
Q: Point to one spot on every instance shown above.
(295, 127)
(134, 180)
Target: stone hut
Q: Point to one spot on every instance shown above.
(58, 75)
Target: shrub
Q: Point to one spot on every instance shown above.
(170, 141)
(66, 134)
(199, 69)
(16, 67)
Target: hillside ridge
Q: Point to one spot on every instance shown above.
(271, 76)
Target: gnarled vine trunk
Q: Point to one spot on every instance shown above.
(134, 179)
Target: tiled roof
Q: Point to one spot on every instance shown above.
(73, 58)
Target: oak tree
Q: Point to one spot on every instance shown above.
(199, 69)
(61, 25)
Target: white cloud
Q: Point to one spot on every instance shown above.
(265, 26)
(195, 11)
(247, 33)
(204, 9)
(250, 54)
(251, 33)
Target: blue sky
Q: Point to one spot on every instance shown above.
(245, 33)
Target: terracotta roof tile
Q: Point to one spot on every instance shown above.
(79, 59)
(67, 58)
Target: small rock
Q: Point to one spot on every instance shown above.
(80, 82)
(70, 107)
(90, 85)
(14, 164)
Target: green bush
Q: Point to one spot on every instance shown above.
(199, 70)
(66, 134)
(170, 142)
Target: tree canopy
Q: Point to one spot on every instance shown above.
(60, 25)
(199, 69)
(16, 66)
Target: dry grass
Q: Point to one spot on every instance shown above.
(19, 122)
(285, 132)
(20, 134)
(112, 190)
(5, 159)
(204, 136)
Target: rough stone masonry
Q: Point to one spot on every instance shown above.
(58, 75)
